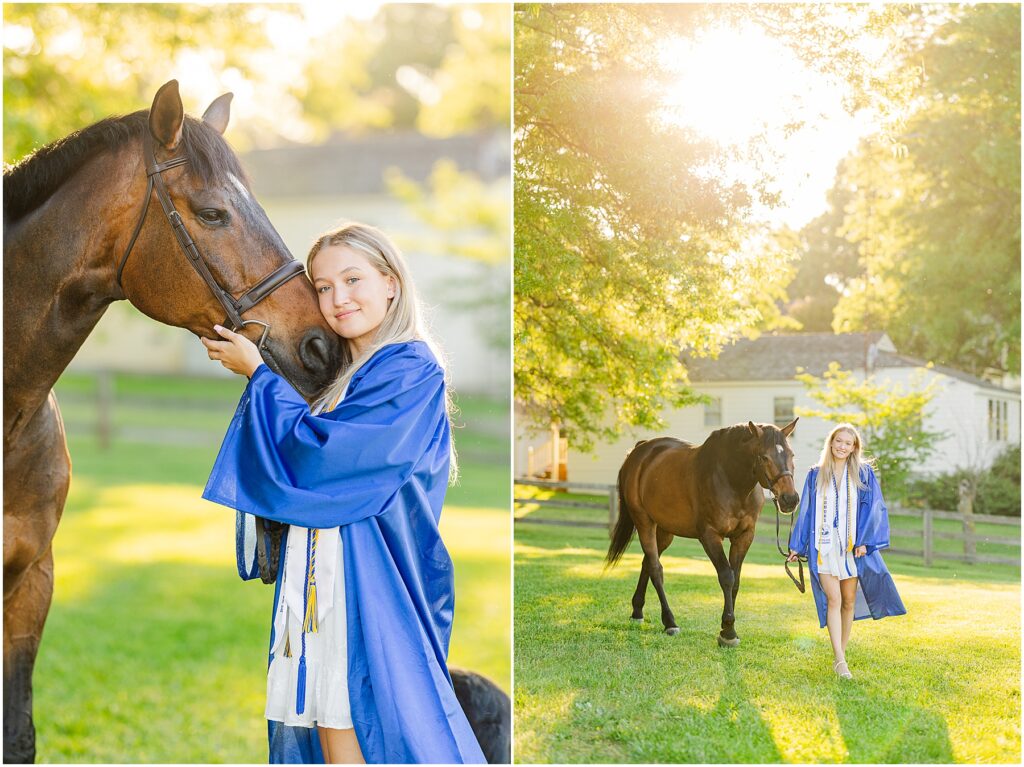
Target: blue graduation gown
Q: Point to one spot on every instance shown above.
(377, 466)
(876, 593)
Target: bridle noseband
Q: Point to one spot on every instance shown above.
(233, 308)
(771, 485)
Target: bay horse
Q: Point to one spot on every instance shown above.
(79, 234)
(668, 487)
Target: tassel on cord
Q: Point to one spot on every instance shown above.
(309, 622)
(309, 625)
(300, 693)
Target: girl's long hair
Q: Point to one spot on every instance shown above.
(856, 458)
(403, 321)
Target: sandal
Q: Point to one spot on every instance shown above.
(842, 670)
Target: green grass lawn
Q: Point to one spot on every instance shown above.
(155, 651)
(941, 684)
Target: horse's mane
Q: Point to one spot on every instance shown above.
(31, 182)
(721, 440)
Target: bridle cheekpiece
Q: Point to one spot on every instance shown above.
(233, 307)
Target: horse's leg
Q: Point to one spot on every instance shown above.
(24, 615)
(640, 595)
(652, 564)
(737, 552)
(712, 543)
(37, 473)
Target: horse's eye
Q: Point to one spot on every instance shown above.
(212, 216)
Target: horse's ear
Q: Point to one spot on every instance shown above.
(755, 430)
(219, 112)
(167, 115)
(787, 430)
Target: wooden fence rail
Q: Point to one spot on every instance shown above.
(925, 537)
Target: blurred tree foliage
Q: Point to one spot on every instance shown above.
(470, 220)
(67, 66)
(923, 236)
(890, 419)
(442, 70)
(632, 245)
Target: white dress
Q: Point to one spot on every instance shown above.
(835, 559)
(326, 658)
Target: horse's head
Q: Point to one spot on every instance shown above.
(773, 461)
(233, 238)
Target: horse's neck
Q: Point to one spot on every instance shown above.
(739, 476)
(59, 268)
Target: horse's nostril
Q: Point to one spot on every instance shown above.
(315, 352)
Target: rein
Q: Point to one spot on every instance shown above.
(801, 586)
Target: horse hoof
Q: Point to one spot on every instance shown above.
(672, 631)
(636, 620)
(723, 642)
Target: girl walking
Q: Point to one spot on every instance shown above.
(842, 528)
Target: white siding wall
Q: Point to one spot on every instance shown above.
(959, 408)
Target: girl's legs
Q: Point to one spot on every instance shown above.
(848, 588)
(833, 614)
(324, 746)
(340, 746)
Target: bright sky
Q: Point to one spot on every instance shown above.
(734, 84)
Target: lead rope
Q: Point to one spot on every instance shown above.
(801, 586)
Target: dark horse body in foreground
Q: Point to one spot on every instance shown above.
(70, 215)
(710, 492)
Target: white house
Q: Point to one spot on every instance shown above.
(753, 380)
(308, 189)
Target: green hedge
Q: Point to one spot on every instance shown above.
(998, 489)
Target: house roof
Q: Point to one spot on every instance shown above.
(778, 358)
(356, 165)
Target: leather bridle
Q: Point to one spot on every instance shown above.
(234, 308)
(770, 486)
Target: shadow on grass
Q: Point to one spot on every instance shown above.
(593, 687)
(905, 735)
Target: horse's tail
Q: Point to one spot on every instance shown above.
(624, 527)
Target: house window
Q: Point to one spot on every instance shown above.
(998, 420)
(713, 412)
(783, 410)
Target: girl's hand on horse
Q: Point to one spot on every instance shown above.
(860, 551)
(237, 353)
(792, 556)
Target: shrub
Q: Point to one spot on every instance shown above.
(998, 488)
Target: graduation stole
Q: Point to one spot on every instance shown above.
(824, 529)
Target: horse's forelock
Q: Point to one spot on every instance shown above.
(209, 155)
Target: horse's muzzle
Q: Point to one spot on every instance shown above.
(789, 501)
